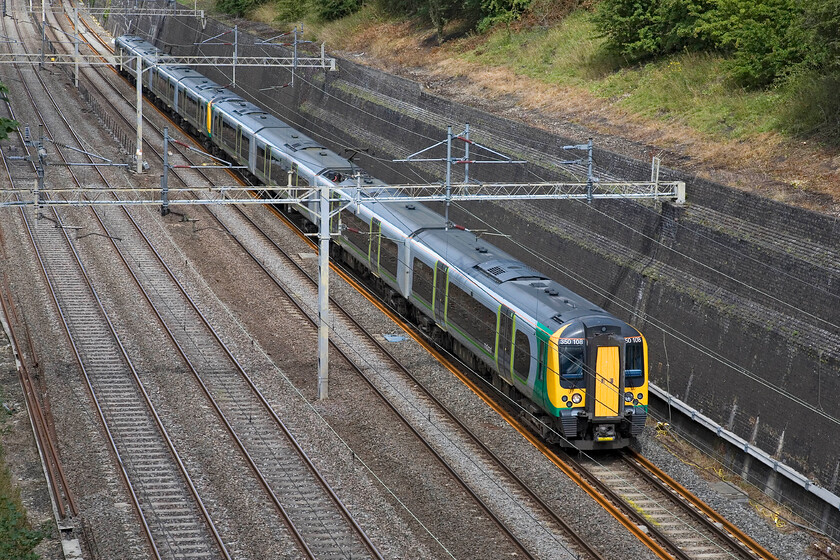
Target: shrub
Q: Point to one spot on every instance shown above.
(17, 539)
(639, 30)
(812, 106)
(329, 10)
(767, 39)
(500, 11)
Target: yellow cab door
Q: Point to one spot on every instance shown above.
(607, 379)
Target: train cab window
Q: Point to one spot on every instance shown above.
(472, 317)
(388, 255)
(633, 364)
(424, 281)
(522, 355)
(571, 366)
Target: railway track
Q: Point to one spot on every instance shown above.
(700, 548)
(321, 524)
(360, 357)
(495, 487)
(171, 513)
(688, 528)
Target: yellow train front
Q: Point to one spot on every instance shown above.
(596, 383)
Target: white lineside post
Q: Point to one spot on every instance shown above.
(467, 153)
(138, 153)
(235, 51)
(323, 291)
(295, 55)
(448, 175)
(43, 32)
(76, 45)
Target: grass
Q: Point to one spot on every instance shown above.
(687, 88)
(17, 538)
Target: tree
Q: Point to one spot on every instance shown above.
(638, 29)
(767, 39)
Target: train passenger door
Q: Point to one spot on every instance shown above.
(503, 338)
(605, 355)
(607, 380)
(441, 283)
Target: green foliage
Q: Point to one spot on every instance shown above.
(398, 7)
(639, 30)
(500, 11)
(329, 10)
(17, 539)
(811, 106)
(6, 125)
(632, 29)
(766, 39)
(291, 10)
(237, 8)
(821, 20)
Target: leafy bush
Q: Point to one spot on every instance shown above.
(236, 8)
(640, 30)
(500, 11)
(6, 125)
(766, 39)
(821, 20)
(291, 10)
(812, 106)
(632, 29)
(329, 10)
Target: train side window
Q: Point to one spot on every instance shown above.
(472, 317)
(228, 133)
(190, 106)
(424, 279)
(388, 255)
(278, 174)
(261, 167)
(357, 232)
(522, 355)
(245, 144)
(505, 332)
(633, 364)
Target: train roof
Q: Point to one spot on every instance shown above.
(514, 283)
(511, 281)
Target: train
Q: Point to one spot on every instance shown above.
(578, 373)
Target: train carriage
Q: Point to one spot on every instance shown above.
(579, 372)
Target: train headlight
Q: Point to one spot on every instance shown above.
(628, 396)
(576, 398)
(640, 396)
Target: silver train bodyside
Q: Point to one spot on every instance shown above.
(502, 317)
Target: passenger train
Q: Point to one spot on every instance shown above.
(579, 372)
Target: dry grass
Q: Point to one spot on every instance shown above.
(768, 163)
